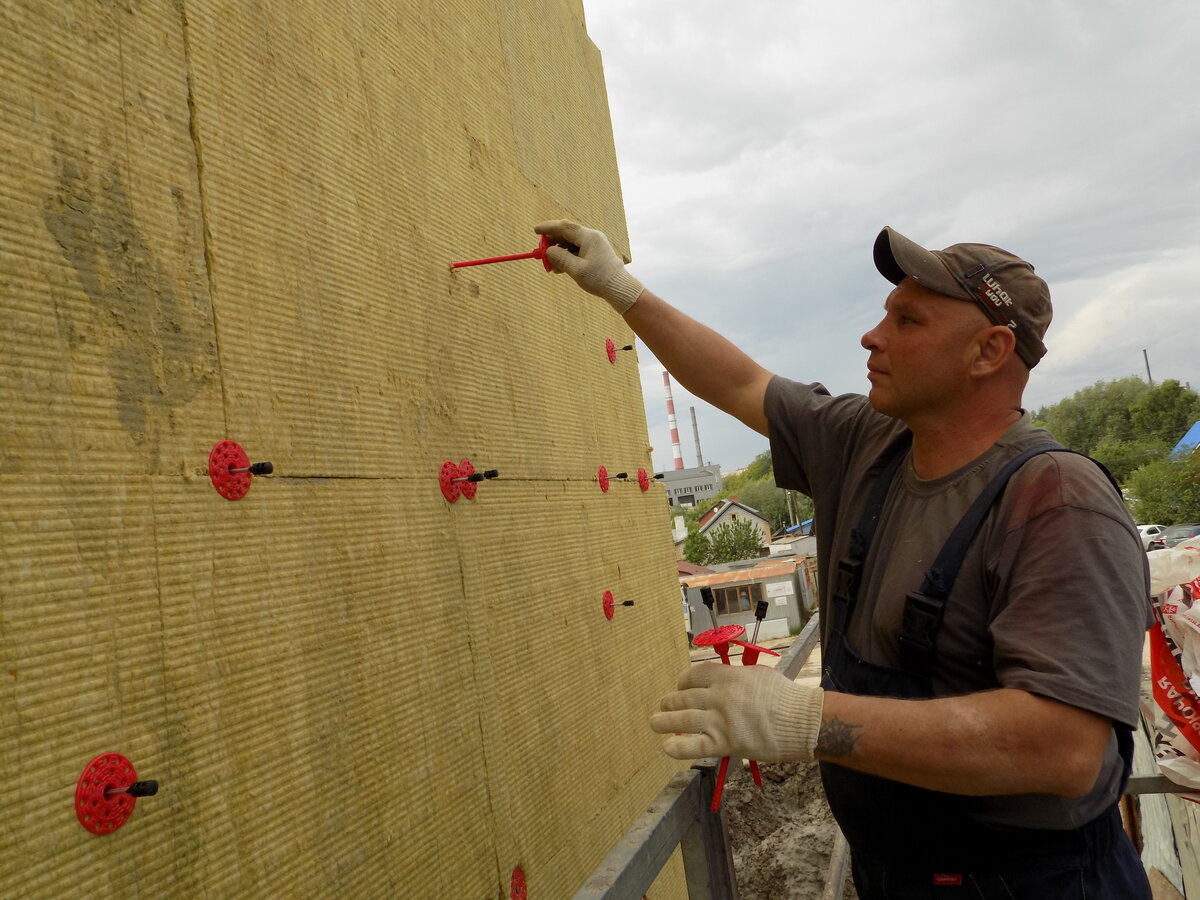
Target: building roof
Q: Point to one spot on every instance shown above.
(768, 568)
(707, 520)
(686, 568)
(1189, 441)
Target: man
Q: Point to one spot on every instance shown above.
(973, 726)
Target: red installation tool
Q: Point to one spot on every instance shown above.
(538, 253)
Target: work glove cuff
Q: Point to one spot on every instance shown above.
(621, 290)
(797, 722)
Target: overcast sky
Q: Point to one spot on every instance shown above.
(762, 145)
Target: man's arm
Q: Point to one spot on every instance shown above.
(704, 362)
(996, 742)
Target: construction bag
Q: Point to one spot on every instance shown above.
(1175, 663)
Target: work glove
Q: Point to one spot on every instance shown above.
(591, 261)
(747, 712)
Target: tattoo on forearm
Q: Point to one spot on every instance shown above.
(836, 738)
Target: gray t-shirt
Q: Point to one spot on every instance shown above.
(1053, 595)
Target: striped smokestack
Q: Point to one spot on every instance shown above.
(678, 453)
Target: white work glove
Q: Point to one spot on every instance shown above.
(593, 264)
(747, 712)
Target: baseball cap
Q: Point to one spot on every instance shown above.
(1003, 285)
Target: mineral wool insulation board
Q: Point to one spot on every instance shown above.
(235, 221)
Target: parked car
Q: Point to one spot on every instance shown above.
(1178, 534)
(1149, 533)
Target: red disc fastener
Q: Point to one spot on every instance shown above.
(643, 479)
(610, 605)
(230, 469)
(602, 477)
(538, 252)
(451, 489)
(107, 791)
(516, 885)
(461, 479)
(719, 639)
(611, 348)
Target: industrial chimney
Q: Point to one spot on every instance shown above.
(696, 434)
(674, 426)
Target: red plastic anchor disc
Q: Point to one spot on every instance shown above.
(643, 480)
(611, 349)
(609, 605)
(450, 488)
(516, 886)
(228, 455)
(540, 252)
(468, 488)
(100, 812)
(722, 635)
(602, 477)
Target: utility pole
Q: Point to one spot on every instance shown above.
(1146, 357)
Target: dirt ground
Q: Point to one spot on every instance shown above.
(783, 832)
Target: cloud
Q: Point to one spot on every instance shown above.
(762, 146)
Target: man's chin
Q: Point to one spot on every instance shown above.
(879, 403)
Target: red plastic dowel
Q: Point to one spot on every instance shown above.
(643, 479)
(226, 455)
(602, 477)
(516, 885)
(750, 654)
(100, 811)
(611, 349)
(538, 252)
(452, 483)
(719, 639)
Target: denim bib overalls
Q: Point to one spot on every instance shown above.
(910, 842)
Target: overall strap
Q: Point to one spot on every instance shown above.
(924, 608)
(848, 574)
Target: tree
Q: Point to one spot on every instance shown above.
(1167, 491)
(770, 502)
(696, 548)
(1166, 412)
(737, 539)
(1123, 457)
(1102, 410)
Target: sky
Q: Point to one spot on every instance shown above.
(762, 145)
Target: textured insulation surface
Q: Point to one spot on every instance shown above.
(235, 221)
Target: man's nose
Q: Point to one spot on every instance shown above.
(870, 340)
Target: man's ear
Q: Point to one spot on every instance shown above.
(995, 346)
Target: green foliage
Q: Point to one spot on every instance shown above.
(755, 487)
(1167, 491)
(760, 468)
(736, 539)
(1166, 412)
(1131, 427)
(1103, 410)
(1123, 457)
(696, 548)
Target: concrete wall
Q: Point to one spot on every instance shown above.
(234, 220)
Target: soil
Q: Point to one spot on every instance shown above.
(782, 833)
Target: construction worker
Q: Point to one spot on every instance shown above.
(983, 600)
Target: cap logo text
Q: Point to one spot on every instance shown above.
(997, 295)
